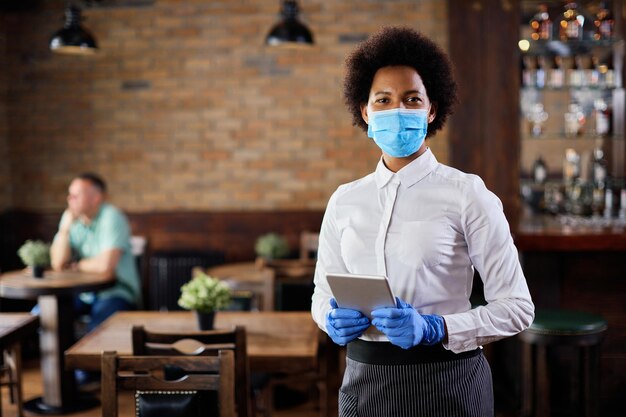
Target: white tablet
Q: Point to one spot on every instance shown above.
(361, 292)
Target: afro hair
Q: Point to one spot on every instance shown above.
(400, 46)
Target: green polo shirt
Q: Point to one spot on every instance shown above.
(109, 230)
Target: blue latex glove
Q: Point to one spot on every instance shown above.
(405, 327)
(343, 325)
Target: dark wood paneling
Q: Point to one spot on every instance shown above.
(484, 134)
(232, 233)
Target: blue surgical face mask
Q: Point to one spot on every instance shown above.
(398, 132)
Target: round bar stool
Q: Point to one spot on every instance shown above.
(581, 331)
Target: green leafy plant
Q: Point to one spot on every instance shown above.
(35, 253)
(271, 246)
(204, 294)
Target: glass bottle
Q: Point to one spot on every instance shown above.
(542, 70)
(537, 117)
(602, 117)
(571, 26)
(556, 77)
(603, 23)
(541, 24)
(622, 205)
(592, 74)
(599, 168)
(608, 203)
(571, 165)
(609, 76)
(539, 171)
(574, 120)
(529, 72)
(576, 74)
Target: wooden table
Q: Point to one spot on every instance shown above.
(286, 272)
(55, 295)
(13, 328)
(276, 341)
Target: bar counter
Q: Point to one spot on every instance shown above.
(580, 264)
(570, 234)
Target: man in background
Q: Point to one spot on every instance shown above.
(94, 236)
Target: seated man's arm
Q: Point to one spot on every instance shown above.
(105, 262)
(60, 250)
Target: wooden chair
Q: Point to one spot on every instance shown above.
(139, 250)
(201, 343)
(156, 396)
(291, 273)
(258, 280)
(309, 241)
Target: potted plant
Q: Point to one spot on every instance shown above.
(35, 254)
(271, 246)
(204, 295)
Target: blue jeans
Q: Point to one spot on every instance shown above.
(99, 311)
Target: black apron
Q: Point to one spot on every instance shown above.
(382, 379)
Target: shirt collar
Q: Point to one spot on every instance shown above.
(410, 174)
(95, 219)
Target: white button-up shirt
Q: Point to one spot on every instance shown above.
(426, 228)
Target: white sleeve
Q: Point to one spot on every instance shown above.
(509, 308)
(328, 260)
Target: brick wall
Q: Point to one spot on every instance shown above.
(5, 167)
(185, 108)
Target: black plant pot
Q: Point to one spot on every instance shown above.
(205, 320)
(38, 271)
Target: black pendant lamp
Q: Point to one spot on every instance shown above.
(289, 31)
(73, 38)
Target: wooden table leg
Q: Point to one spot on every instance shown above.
(60, 395)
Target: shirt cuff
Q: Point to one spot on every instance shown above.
(461, 333)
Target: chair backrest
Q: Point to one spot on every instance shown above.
(258, 280)
(138, 247)
(201, 343)
(309, 241)
(158, 397)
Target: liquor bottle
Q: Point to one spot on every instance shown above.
(603, 68)
(537, 117)
(622, 205)
(593, 73)
(539, 171)
(603, 23)
(541, 24)
(574, 120)
(608, 203)
(529, 72)
(571, 26)
(556, 78)
(576, 74)
(602, 117)
(542, 70)
(610, 72)
(599, 168)
(571, 165)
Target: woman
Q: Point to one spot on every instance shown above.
(426, 227)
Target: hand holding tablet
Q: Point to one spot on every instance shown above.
(363, 293)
